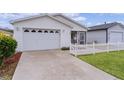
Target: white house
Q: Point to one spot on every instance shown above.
(47, 31)
(104, 33)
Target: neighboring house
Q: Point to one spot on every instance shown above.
(104, 33)
(47, 31)
(7, 31)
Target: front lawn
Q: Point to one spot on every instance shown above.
(112, 62)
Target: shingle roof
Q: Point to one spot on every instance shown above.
(104, 26)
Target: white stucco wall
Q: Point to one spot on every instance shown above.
(18, 35)
(42, 23)
(65, 38)
(98, 36)
(116, 28)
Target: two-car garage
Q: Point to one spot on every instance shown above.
(43, 32)
(41, 39)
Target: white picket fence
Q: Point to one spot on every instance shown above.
(95, 48)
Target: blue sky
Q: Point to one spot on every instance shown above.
(87, 19)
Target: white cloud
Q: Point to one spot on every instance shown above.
(76, 16)
(6, 17)
(10, 16)
(4, 24)
(72, 14)
(80, 18)
(99, 23)
(122, 22)
(89, 24)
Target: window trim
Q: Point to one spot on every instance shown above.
(56, 31)
(51, 31)
(26, 30)
(33, 30)
(40, 31)
(45, 31)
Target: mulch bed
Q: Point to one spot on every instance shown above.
(8, 69)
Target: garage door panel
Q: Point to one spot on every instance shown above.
(116, 37)
(41, 41)
(29, 39)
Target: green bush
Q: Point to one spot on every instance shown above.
(65, 48)
(7, 46)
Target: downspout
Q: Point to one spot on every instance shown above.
(85, 37)
(106, 35)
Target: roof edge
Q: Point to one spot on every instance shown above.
(97, 29)
(37, 16)
(71, 20)
(25, 18)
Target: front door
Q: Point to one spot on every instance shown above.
(81, 37)
(78, 37)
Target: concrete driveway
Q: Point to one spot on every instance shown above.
(56, 65)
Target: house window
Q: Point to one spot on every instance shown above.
(45, 31)
(26, 30)
(73, 37)
(51, 32)
(33, 30)
(57, 32)
(40, 31)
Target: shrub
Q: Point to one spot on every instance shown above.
(7, 46)
(65, 48)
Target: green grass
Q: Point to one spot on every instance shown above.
(112, 62)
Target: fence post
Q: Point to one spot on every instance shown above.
(94, 48)
(118, 46)
(71, 48)
(108, 47)
(75, 48)
(86, 45)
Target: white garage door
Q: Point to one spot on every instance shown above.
(116, 37)
(41, 39)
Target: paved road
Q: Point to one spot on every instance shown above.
(56, 65)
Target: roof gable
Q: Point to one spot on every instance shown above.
(53, 16)
(39, 16)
